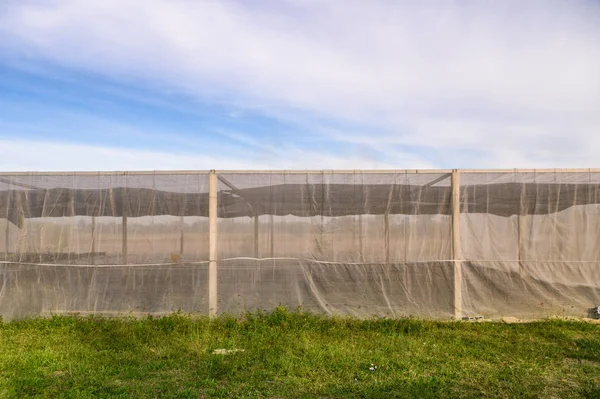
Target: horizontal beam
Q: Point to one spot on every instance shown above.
(414, 171)
(107, 173)
(301, 172)
(13, 183)
(555, 170)
(203, 172)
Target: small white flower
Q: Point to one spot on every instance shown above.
(372, 368)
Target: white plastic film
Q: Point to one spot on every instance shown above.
(358, 243)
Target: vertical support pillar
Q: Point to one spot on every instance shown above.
(386, 222)
(271, 220)
(256, 252)
(520, 234)
(7, 238)
(456, 247)
(212, 243)
(521, 222)
(23, 230)
(125, 204)
(360, 238)
(72, 226)
(181, 226)
(124, 236)
(41, 242)
(93, 249)
(182, 212)
(406, 234)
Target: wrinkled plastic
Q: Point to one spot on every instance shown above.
(355, 243)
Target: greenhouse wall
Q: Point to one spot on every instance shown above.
(436, 244)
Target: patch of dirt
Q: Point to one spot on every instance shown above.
(580, 362)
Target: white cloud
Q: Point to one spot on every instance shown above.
(39, 155)
(489, 84)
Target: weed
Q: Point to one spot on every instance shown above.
(295, 354)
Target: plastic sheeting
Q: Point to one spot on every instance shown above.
(541, 261)
(361, 243)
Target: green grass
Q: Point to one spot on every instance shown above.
(296, 355)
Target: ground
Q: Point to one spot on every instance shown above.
(286, 354)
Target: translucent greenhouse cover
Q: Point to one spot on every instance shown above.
(431, 244)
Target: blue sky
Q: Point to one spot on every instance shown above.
(291, 84)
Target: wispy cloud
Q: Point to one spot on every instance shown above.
(375, 84)
(36, 155)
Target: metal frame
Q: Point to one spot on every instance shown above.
(214, 178)
(456, 245)
(212, 244)
(282, 171)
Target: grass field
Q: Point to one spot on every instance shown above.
(296, 355)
